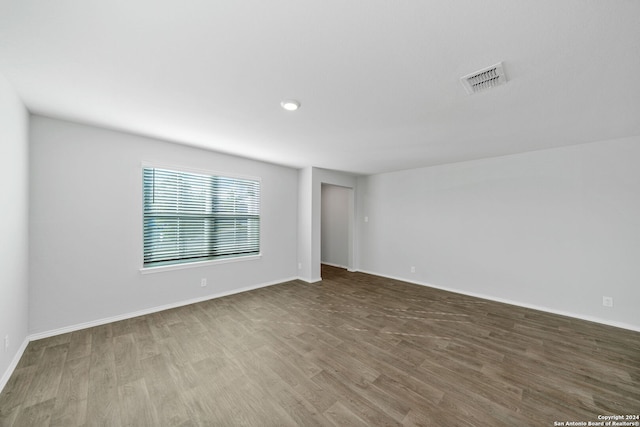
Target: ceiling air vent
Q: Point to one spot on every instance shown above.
(484, 79)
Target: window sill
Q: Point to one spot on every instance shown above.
(162, 268)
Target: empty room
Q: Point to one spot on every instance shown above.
(320, 213)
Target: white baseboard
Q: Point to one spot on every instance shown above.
(71, 328)
(124, 316)
(318, 279)
(14, 363)
(334, 265)
(516, 303)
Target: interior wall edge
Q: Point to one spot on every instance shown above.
(14, 364)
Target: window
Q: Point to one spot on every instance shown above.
(192, 217)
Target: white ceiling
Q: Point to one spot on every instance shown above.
(378, 79)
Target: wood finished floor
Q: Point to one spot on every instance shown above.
(353, 350)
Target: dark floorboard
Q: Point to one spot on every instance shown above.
(354, 349)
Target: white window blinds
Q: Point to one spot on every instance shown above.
(192, 217)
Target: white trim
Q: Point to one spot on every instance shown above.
(103, 321)
(334, 265)
(319, 279)
(14, 363)
(614, 323)
(161, 268)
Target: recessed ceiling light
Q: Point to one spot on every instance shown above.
(290, 104)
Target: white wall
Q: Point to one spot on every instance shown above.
(555, 229)
(335, 225)
(14, 190)
(305, 220)
(86, 226)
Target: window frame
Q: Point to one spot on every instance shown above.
(178, 265)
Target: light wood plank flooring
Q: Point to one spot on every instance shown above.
(354, 349)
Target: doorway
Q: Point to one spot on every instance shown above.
(335, 226)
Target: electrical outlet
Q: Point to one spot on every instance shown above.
(413, 269)
(299, 266)
(203, 282)
(607, 301)
(6, 342)
(366, 219)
